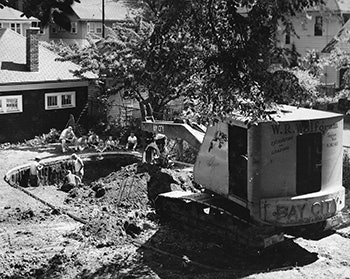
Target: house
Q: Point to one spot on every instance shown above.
(315, 28)
(340, 41)
(12, 19)
(37, 92)
(87, 19)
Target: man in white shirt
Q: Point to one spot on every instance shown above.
(132, 142)
(67, 135)
(70, 181)
(78, 165)
(34, 169)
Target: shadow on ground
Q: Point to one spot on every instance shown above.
(214, 258)
(171, 253)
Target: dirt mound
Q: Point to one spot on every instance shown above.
(121, 203)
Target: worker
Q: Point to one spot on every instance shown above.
(93, 139)
(151, 153)
(34, 170)
(132, 142)
(78, 165)
(66, 136)
(70, 181)
(160, 140)
(101, 146)
(111, 144)
(81, 143)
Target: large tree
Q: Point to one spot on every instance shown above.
(238, 38)
(218, 51)
(229, 47)
(143, 66)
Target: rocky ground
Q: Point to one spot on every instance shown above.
(119, 234)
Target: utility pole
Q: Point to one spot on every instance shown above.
(103, 18)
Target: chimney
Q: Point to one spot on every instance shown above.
(32, 57)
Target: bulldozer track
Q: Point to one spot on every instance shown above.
(207, 219)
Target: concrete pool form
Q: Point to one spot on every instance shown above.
(54, 169)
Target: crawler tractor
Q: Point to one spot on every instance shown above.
(262, 180)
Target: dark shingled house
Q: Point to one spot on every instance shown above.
(37, 92)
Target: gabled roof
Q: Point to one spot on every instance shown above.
(13, 63)
(287, 113)
(7, 14)
(92, 10)
(341, 40)
(338, 6)
(343, 5)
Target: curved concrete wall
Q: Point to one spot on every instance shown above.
(55, 167)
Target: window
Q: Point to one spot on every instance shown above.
(318, 25)
(94, 27)
(60, 100)
(38, 24)
(11, 104)
(98, 28)
(54, 29)
(287, 38)
(66, 100)
(52, 101)
(16, 27)
(287, 32)
(73, 27)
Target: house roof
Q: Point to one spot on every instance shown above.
(341, 6)
(341, 40)
(13, 63)
(7, 14)
(92, 10)
(286, 113)
(292, 113)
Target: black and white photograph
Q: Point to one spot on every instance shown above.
(174, 139)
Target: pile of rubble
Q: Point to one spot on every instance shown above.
(121, 203)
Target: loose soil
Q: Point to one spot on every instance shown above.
(120, 235)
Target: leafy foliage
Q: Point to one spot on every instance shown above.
(233, 49)
(340, 60)
(217, 51)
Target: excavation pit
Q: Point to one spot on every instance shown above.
(54, 169)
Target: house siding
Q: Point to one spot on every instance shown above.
(35, 120)
(80, 37)
(307, 41)
(304, 28)
(67, 35)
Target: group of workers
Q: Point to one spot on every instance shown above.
(72, 178)
(92, 140)
(155, 153)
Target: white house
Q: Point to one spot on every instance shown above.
(314, 29)
(12, 19)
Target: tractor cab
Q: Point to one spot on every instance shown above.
(285, 172)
